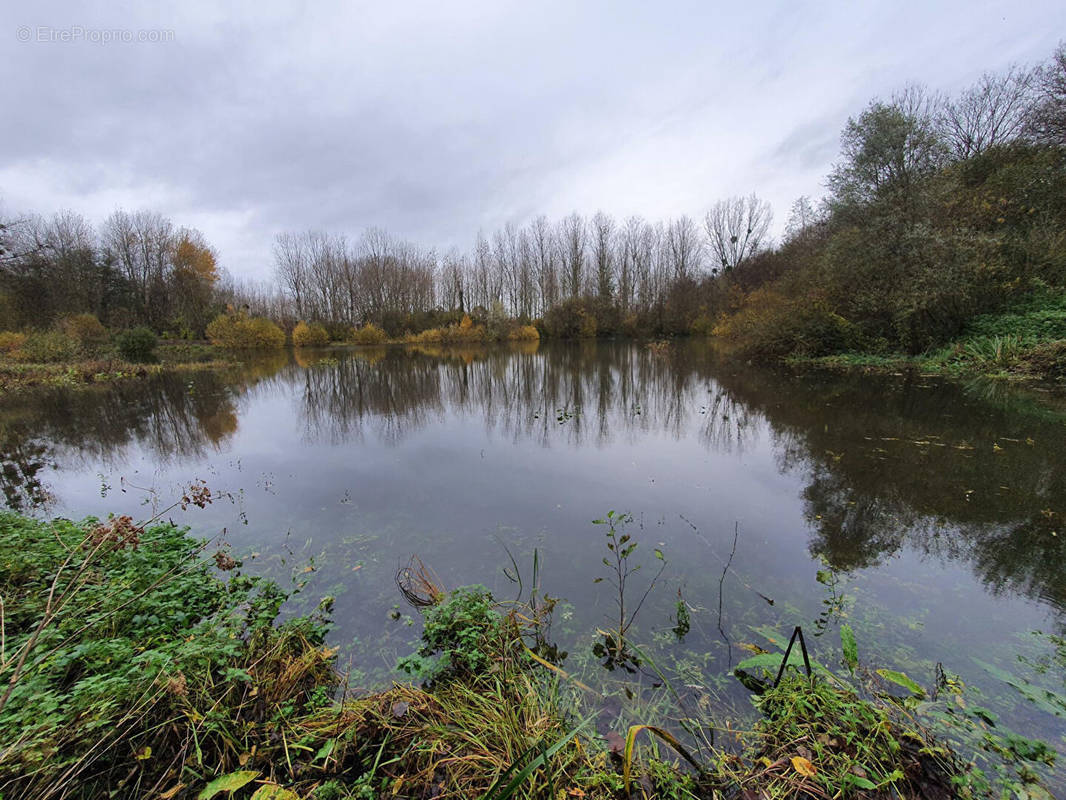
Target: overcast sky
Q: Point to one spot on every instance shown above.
(434, 120)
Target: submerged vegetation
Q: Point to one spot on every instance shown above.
(139, 662)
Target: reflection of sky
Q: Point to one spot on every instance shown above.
(461, 483)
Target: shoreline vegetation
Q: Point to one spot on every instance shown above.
(139, 662)
(940, 243)
(1021, 343)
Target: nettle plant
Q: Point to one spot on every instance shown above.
(460, 637)
(614, 647)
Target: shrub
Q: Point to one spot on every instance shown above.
(772, 325)
(1046, 360)
(313, 335)
(524, 333)
(241, 332)
(47, 347)
(86, 330)
(137, 344)
(338, 331)
(466, 332)
(10, 341)
(571, 319)
(369, 334)
(703, 325)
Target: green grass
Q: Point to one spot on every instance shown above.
(1025, 340)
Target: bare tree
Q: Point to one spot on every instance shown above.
(544, 251)
(142, 246)
(603, 255)
(802, 217)
(573, 234)
(737, 229)
(640, 244)
(683, 241)
(991, 112)
(290, 268)
(1047, 119)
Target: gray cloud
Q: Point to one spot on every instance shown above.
(435, 120)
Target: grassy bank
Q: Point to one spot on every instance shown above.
(78, 350)
(1024, 341)
(179, 357)
(139, 662)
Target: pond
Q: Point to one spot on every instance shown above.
(928, 515)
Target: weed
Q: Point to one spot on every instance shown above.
(462, 634)
(620, 545)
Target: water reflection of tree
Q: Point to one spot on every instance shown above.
(892, 463)
(169, 415)
(584, 394)
(394, 392)
(22, 458)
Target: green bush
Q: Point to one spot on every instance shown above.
(1041, 317)
(241, 332)
(313, 335)
(47, 347)
(136, 345)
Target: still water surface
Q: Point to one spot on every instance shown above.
(934, 509)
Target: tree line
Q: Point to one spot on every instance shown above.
(889, 254)
(135, 269)
(939, 209)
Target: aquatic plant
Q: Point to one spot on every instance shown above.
(993, 351)
(682, 621)
(621, 546)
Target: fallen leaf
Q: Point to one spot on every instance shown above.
(803, 767)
